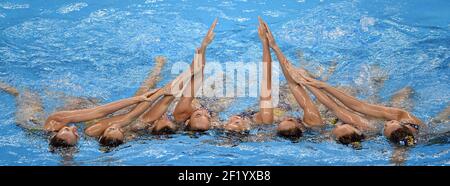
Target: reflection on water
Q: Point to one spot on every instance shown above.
(79, 47)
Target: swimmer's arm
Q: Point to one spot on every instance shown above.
(158, 110)
(342, 113)
(373, 110)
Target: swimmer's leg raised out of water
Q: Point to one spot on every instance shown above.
(296, 74)
(113, 134)
(111, 129)
(96, 127)
(58, 120)
(153, 77)
(401, 127)
(156, 112)
(377, 111)
(311, 115)
(265, 114)
(183, 109)
(116, 123)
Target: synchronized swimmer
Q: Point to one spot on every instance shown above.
(152, 110)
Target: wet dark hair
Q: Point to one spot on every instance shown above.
(110, 142)
(58, 142)
(401, 134)
(353, 137)
(236, 133)
(164, 130)
(295, 133)
(189, 128)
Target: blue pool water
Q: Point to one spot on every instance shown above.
(104, 49)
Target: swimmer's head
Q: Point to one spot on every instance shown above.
(113, 136)
(347, 134)
(164, 126)
(237, 124)
(289, 127)
(399, 133)
(199, 120)
(66, 137)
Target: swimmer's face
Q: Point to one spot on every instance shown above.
(236, 124)
(399, 133)
(289, 127)
(67, 136)
(113, 133)
(347, 134)
(199, 120)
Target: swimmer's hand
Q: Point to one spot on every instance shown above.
(209, 35)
